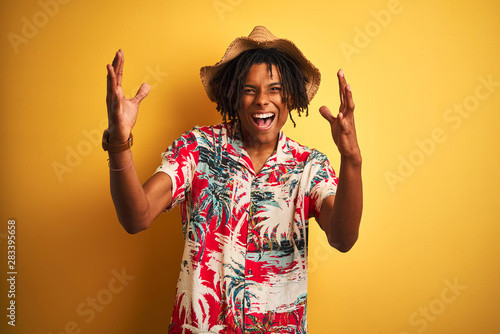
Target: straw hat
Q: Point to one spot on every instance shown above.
(260, 37)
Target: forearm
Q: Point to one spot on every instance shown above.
(130, 200)
(345, 216)
(340, 215)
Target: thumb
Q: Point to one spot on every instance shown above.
(327, 114)
(142, 92)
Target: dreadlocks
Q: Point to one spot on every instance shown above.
(228, 83)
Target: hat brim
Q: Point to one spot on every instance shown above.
(260, 37)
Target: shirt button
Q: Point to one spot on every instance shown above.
(250, 272)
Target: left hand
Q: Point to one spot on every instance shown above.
(343, 129)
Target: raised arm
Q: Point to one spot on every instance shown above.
(340, 215)
(136, 205)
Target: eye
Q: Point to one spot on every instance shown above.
(249, 91)
(275, 89)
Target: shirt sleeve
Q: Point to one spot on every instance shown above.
(179, 162)
(323, 183)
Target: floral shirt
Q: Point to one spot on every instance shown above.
(244, 267)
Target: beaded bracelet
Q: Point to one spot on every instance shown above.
(120, 169)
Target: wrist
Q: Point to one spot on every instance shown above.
(352, 159)
(117, 161)
(116, 145)
(117, 136)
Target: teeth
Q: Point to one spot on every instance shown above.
(263, 115)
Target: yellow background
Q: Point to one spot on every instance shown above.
(434, 227)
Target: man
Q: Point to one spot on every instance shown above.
(246, 190)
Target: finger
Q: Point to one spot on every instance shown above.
(118, 66)
(115, 93)
(327, 114)
(340, 76)
(349, 102)
(142, 93)
(115, 60)
(119, 70)
(108, 87)
(112, 76)
(341, 122)
(344, 124)
(109, 80)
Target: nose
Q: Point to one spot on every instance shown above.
(262, 98)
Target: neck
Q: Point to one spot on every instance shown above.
(259, 152)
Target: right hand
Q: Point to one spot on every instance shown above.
(342, 126)
(122, 112)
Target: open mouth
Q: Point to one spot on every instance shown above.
(263, 121)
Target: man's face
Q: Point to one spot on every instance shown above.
(263, 113)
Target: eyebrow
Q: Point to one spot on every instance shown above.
(270, 85)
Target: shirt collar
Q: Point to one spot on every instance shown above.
(283, 151)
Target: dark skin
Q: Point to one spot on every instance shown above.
(340, 215)
(138, 205)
